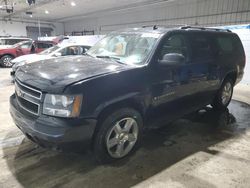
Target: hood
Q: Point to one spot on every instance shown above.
(55, 74)
(30, 58)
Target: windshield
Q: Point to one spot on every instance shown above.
(129, 48)
(50, 50)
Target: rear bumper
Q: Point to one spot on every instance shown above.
(53, 132)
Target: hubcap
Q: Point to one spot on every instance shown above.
(7, 61)
(122, 137)
(226, 93)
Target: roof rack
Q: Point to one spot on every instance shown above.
(164, 26)
(206, 28)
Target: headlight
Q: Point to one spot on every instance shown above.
(62, 105)
(17, 65)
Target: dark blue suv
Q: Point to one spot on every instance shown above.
(131, 80)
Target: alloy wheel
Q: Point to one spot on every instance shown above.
(226, 93)
(7, 61)
(122, 137)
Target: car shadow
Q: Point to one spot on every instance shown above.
(33, 166)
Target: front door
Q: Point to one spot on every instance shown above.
(24, 49)
(201, 68)
(170, 84)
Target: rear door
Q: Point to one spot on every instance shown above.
(202, 69)
(230, 55)
(40, 46)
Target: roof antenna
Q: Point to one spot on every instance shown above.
(155, 27)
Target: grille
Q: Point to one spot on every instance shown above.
(28, 90)
(28, 105)
(28, 98)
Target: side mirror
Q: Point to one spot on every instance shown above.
(58, 54)
(172, 59)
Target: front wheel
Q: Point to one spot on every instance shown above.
(5, 61)
(224, 95)
(118, 136)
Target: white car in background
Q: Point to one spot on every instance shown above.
(66, 49)
(6, 42)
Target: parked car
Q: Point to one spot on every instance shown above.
(21, 48)
(9, 41)
(7, 54)
(53, 52)
(39, 46)
(131, 80)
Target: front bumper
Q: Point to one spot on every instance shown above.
(53, 132)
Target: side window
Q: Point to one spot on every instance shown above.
(26, 45)
(43, 45)
(71, 50)
(225, 44)
(49, 45)
(83, 49)
(39, 45)
(174, 44)
(201, 47)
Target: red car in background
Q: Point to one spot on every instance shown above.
(39, 46)
(22, 48)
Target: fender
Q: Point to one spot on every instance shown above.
(134, 96)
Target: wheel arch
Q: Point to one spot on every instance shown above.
(231, 75)
(105, 110)
(7, 54)
(124, 103)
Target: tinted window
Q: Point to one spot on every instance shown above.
(44, 45)
(225, 44)
(174, 44)
(201, 47)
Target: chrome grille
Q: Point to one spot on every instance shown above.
(28, 98)
(34, 93)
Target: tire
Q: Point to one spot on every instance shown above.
(115, 140)
(5, 61)
(224, 95)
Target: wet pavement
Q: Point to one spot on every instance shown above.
(204, 149)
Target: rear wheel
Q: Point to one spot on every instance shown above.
(118, 136)
(5, 61)
(224, 95)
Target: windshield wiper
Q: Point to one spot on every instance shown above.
(110, 57)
